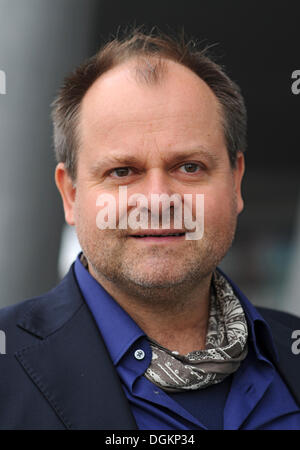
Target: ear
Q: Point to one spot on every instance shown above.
(238, 173)
(67, 191)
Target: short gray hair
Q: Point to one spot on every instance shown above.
(150, 50)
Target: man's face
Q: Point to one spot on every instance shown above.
(162, 138)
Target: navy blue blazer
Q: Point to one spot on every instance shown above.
(57, 373)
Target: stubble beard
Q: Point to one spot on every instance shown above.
(156, 275)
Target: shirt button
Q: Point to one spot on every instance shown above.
(139, 354)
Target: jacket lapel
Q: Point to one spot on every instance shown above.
(288, 364)
(70, 364)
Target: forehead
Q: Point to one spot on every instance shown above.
(120, 110)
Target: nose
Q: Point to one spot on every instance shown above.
(162, 197)
(157, 181)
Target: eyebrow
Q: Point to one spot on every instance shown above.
(129, 160)
(113, 160)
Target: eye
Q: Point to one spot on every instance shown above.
(190, 167)
(120, 172)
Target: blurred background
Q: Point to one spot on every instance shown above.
(257, 43)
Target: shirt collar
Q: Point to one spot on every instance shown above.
(120, 331)
(259, 331)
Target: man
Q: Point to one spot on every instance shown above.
(145, 332)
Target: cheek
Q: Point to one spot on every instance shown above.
(219, 209)
(86, 209)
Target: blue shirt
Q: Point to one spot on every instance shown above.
(254, 397)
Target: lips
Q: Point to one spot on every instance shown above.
(157, 233)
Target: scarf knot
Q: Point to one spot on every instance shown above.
(225, 347)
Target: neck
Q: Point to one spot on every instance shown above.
(176, 319)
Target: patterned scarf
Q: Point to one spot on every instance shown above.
(225, 347)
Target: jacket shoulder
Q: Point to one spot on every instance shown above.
(11, 315)
(42, 315)
(281, 317)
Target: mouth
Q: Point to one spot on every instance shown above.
(159, 237)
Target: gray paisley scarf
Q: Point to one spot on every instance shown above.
(225, 347)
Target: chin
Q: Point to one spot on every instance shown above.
(157, 280)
